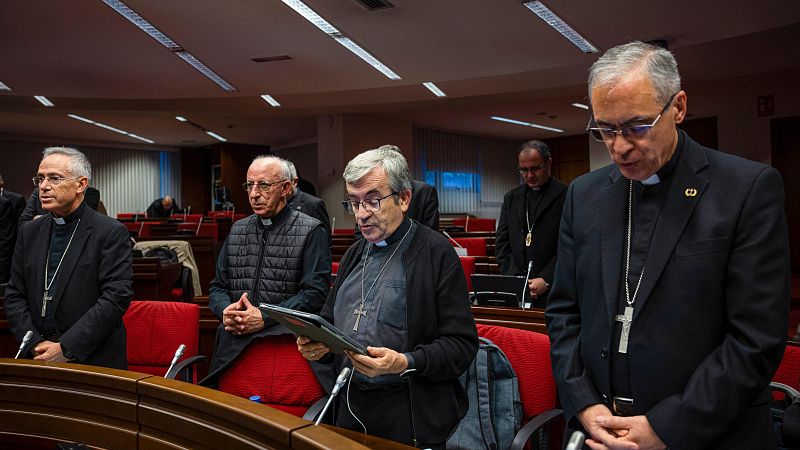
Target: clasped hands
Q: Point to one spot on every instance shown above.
(537, 286)
(49, 351)
(381, 360)
(242, 317)
(614, 432)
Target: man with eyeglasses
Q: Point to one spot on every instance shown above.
(72, 276)
(277, 256)
(527, 232)
(668, 313)
(401, 292)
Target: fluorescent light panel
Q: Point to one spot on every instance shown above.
(43, 100)
(435, 89)
(300, 8)
(216, 136)
(181, 118)
(559, 25)
(527, 124)
(162, 39)
(110, 128)
(4, 87)
(580, 105)
(269, 99)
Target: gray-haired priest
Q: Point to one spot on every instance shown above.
(401, 292)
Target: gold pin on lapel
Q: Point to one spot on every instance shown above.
(690, 192)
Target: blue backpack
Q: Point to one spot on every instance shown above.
(495, 409)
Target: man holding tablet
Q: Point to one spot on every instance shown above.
(400, 292)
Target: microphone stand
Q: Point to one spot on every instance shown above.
(340, 381)
(25, 341)
(530, 265)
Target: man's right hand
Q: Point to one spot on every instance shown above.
(587, 417)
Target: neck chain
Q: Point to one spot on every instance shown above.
(46, 297)
(528, 224)
(628, 297)
(360, 310)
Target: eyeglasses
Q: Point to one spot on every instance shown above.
(524, 170)
(369, 205)
(54, 180)
(631, 133)
(262, 186)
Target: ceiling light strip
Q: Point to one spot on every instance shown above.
(43, 100)
(559, 25)
(216, 136)
(162, 39)
(269, 99)
(435, 89)
(110, 128)
(527, 124)
(301, 8)
(182, 119)
(4, 87)
(580, 105)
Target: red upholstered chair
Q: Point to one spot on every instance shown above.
(475, 246)
(475, 224)
(789, 371)
(155, 331)
(529, 355)
(334, 267)
(273, 369)
(343, 231)
(468, 264)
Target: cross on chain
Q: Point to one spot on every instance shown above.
(358, 312)
(45, 298)
(626, 320)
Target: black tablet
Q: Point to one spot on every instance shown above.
(314, 327)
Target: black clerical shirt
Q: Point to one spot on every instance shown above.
(60, 235)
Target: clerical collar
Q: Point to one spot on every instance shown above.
(71, 217)
(543, 186)
(266, 222)
(666, 170)
(277, 218)
(397, 235)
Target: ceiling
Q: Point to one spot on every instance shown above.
(491, 57)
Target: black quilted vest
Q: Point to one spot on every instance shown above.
(267, 262)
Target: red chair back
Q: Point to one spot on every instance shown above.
(529, 354)
(468, 264)
(475, 246)
(789, 370)
(343, 231)
(156, 329)
(334, 267)
(273, 369)
(475, 224)
(192, 218)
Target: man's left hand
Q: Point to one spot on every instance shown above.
(381, 360)
(49, 351)
(640, 435)
(247, 318)
(537, 286)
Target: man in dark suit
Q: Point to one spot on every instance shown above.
(307, 203)
(668, 313)
(71, 278)
(163, 207)
(8, 232)
(527, 233)
(17, 201)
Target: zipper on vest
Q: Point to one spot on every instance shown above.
(255, 300)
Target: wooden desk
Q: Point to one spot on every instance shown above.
(526, 319)
(154, 279)
(42, 404)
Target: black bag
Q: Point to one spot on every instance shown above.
(166, 254)
(786, 416)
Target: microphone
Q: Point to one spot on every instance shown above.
(530, 265)
(344, 375)
(25, 340)
(451, 238)
(178, 354)
(333, 223)
(575, 441)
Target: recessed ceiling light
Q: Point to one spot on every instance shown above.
(559, 25)
(110, 128)
(162, 39)
(527, 124)
(181, 118)
(301, 8)
(43, 100)
(435, 89)
(580, 105)
(4, 87)
(269, 99)
(216, 136)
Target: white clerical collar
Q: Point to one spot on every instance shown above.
(59, 220)
(381, 243)
(651, 180)
(266, 222)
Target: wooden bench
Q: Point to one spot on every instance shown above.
(153, 279)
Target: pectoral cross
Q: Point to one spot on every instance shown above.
(358, 312)
(626, 320)
(45, 298)
(528, 239)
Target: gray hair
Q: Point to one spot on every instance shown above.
(534, 144)
(292, 170)
(286, 173)
(79, 165)
(386, 156)
(657, 63)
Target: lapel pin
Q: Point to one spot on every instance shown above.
(690, 192)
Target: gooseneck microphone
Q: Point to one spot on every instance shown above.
(344, 375)
(178, 354)
(25, 340)
(451, 238)
(575, 441)
(527, 275)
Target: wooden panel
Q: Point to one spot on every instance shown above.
(525, 319)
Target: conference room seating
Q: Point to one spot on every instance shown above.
(475, 224)
(529, 355)
(154, 278)
(475, 246)
(468, 265)
(155, 331)
(274, 370)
